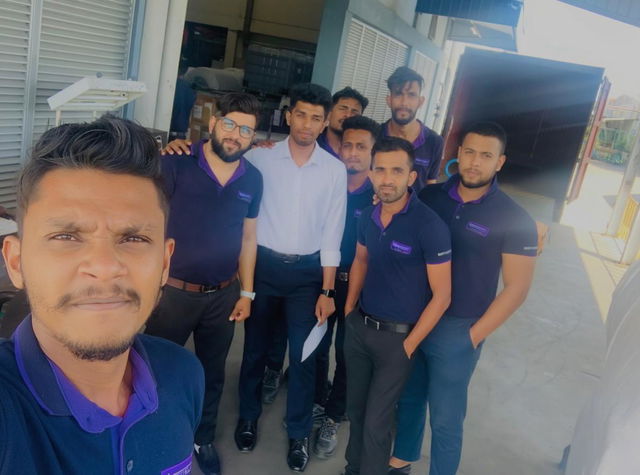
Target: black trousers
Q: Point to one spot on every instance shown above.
(207, 316)
(289, 290)
(377, 368)
(334, 401)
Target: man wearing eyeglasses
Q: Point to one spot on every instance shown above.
(214, 196)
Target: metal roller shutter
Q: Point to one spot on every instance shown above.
(79, 38)
(15, 20)
(369, 58)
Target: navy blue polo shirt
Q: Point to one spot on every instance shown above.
(357, 201)
(324, 144)
(428, 148)
(396, 287)
(206, 219)
(48, 427)
(481, 231)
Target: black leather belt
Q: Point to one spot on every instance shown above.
(290, 258)
(381, 325)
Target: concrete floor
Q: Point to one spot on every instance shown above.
(535, 372)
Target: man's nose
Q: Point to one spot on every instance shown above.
(102, 261)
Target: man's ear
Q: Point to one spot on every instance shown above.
(169, 247)
(287, 116)
(413, 176)
(501, 161)
(11, 252)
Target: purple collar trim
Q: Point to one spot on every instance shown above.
(377, 211)
(59, 397)
(324, 144)
(204, 165)
(420, 139)
(366, 186)
(451, 185)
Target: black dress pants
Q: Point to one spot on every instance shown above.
(377, 368)
(285, 288)
(206, 315)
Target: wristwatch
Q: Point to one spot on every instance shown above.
(249, 295)
(331, 293)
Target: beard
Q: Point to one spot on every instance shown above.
(405, 121)
(478, 184)
(98, 352)
(218, 149)
(336, 131)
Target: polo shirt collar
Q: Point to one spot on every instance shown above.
(59, 397)
(377, 211)
(420, 139)
(204, 165)
(451, 187)
(324, 143)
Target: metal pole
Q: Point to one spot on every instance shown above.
(625, 188)
(632, 246)
(58, 117)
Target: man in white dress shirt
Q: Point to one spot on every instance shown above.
(300, 227)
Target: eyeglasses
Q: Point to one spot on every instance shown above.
(229, 125)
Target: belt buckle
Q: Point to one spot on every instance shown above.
(290, 258)
(209, 289)
(377, 323)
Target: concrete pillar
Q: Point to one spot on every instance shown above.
(625, 189)
(230, 49)
(159, 58)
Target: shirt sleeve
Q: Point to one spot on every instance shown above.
(521, 237)
(334, 224)
(254, 206)
(168, 163)
(435, 241)
(434, 170)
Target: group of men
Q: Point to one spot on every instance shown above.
(283, 238)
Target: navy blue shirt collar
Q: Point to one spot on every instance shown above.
(377, 211)
(420, 139)
(204, 165)
(366, 186)
(59, 397)
(324, 143)
(451, 187)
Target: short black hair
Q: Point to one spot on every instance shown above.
(360, 122)
(488, 129)
(109, 144)
(239, 102)
(404, 75)
(350, 93)
(311, 93)
(394, 144)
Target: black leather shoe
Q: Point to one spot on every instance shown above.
(406, 470)
(208, 459)
(246, 435)
(298, 455)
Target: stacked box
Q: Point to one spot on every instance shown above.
(204, 108)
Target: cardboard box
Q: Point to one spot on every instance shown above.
(205, 106)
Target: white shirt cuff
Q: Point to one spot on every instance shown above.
(329, 258)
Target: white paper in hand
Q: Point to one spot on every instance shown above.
(313, 340)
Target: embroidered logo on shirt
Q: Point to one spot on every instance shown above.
(400, 247)
(424, 162)
(183, 468)
(478, 228)
(244, 196)
(530, 248)
(357, 213)
(444, 253)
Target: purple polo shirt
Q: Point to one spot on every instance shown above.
(396, 287)
(324, 144)
(207, 219)
(48, 426)
(428, 148)
(481, 232)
